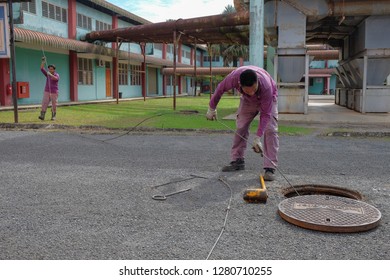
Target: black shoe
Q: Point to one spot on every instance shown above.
(42, 116)
(238, 164)
(269, 174)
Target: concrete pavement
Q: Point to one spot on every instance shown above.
(69, 195)
(322, 111)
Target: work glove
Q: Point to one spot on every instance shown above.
(211, 114)
(257, 146)
(43, 59)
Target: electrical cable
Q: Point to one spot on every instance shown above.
(226, 217)
(220, 178)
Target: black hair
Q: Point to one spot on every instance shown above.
(248, 78)
(52, 65)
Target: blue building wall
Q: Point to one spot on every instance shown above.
(28, 58)
(28, 64)
(39, 23)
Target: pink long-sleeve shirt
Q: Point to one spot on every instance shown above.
(51, 84)
(265, 96)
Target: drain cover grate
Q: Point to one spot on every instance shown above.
(329, 213)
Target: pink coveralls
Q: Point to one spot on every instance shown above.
(265, 102)
(51, 91)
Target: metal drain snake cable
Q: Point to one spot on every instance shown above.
(226, 216)
(134, 127)
(273, 163)
(230, 129)
(138, 124)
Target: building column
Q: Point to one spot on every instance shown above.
(73, 76)
(179, 60)
(73, 69)
(164, 81)
(5, 81)
(256, 33)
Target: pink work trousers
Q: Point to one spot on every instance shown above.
(47, 96)
(245, 115)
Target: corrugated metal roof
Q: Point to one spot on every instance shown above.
(43, 39)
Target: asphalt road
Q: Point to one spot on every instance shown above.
(69, 195)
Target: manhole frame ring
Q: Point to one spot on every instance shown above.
(320, 189)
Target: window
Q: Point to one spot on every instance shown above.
(84, 21)
(102, 26)
(29, 7)
(158, 46)
(215, 58)
(198, 59)
(170, 80)
(135, 75)
(85, 73)
(123, 74)
(54, 12)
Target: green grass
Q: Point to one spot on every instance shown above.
(152, 113)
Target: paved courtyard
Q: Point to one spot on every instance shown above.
(76, 195)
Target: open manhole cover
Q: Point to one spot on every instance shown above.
(329, 213)
(311, 189)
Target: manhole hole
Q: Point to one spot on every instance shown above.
(329, 213)
(321, 189)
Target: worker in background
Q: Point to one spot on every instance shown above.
(51, 89)
(258, 94)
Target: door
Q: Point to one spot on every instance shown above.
(108, 82)
(152, 81)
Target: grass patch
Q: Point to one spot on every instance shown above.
(152, 113)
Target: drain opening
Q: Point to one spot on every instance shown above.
(321, 190)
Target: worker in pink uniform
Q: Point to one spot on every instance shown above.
(259, 95)
(51, 90)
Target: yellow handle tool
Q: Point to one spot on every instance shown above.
(257, 195)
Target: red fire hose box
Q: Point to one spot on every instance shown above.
(23, 89)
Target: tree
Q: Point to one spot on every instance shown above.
(230, 53)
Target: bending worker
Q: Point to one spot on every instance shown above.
(258, 94)
(51, 90)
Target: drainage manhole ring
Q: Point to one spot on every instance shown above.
(312, 189)
(329, 213)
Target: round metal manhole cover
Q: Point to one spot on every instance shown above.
(329, 213)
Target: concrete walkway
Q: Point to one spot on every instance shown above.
(322, 110)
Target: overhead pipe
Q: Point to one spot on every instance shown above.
(320, 9)
(205, 71)
(359, 8)
(233, 19)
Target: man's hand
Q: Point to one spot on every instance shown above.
(257, 146)
(211, 114)
(43, 59)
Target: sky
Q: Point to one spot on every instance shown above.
(162, 10)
